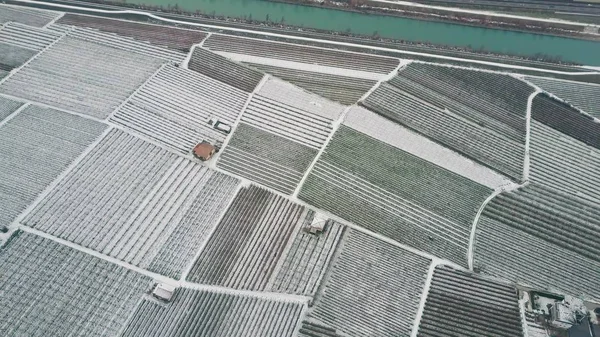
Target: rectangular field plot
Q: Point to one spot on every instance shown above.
(7, 107)
(25, 15)
(136, 202)
(82, 77)
(339, 88)
(52, 290)
(244, 249)
(175, 105)
(125, 43)
(582, 95)
(565, 148)
(373, 290)
(517, 229)
(224, 70)
(27, 37)
(300, 53)
(35, 147)
(477, 114)
(194, 313)
(474, 307)
(165, 36)
(281, 131)
(12, 57)
(266, 158)
(306, 262)
(394, 193)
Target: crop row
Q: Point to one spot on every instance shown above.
(300, 53)
(224, 70)
(96, 80)
(49, 289)
(124, 43)
(286, 121)
(244, 249)
(203, 313)
(565, 119)
(582, 95)
(148, 211)
(563, 163)
(165, 36)
(510, 253)
(291, 95)
(560, 218)
(373, 289)
(409, 199)
(7, 107)
(474, 141)
(175, 105)
(307, 260)
(472, 306)
(12, 57)
(26, 15)
(343, 89)
(266, 158)
(499, 96)
(506, 124)
(35, 147)
(26, 36)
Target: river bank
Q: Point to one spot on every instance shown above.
(397, 33)
(467, 18)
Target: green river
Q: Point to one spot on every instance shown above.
(500, 41)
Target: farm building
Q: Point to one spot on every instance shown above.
(354, 194)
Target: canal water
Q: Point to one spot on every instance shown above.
(499, 41)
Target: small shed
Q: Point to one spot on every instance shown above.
(204, 150)
(163, 291)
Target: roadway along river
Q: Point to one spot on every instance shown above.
(499, 41)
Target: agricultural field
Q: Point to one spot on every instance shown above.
(175, 105)
(7, 107)
(153, 210)
(455, 108)
(12, 57)
(300, 53)
(49, 289)
(25, 15)
(581, 95)
(373, 289)
(95, 83)
(392, 192)
(163, 36)
(224, 70)
(281, 131)
(565, 148)
(266, 158)
(202, 313)
(472, 306)
(543, 227)
(306, 262)
(313, 328)
(27, 37)
(124, 43)
(338, 88)
(36, 145)
(246, 246)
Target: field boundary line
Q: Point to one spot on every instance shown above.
(61, 176)
(213, 162)
(14, 113)
(424, 295)
(60, 15)
(527, 159)
(501, 189)
(203, 244)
